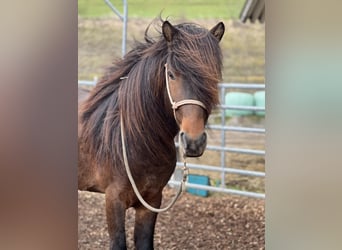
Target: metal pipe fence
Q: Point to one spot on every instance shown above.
(222, 148)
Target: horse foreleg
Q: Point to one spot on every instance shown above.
(145, 221)
(115, 214)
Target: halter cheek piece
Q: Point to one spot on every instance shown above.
(176, 105)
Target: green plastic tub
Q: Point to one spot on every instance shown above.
(259, 98)
(239, 99)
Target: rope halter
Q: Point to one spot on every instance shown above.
(176, 105)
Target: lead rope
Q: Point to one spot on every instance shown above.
(185, 170)
(135, 189)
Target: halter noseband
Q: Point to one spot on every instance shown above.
(176, 105)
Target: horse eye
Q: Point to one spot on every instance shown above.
(171, 75)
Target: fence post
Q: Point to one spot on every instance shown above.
(123, 18)
(223, 138)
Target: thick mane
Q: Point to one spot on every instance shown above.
(141, 97)
(195, 52)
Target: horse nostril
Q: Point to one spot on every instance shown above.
(204, 137)
(183, 139)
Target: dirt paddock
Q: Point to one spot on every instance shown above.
(215, 222)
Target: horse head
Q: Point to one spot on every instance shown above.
(192, 72)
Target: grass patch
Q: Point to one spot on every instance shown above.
(227, 9)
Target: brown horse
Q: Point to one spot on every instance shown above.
(161, 87)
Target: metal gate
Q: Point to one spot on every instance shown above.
(222, 147)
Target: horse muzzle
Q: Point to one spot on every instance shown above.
(193, 147)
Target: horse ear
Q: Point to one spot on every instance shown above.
(168, 31)
(218, 30)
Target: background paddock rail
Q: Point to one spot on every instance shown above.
(222, 147)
